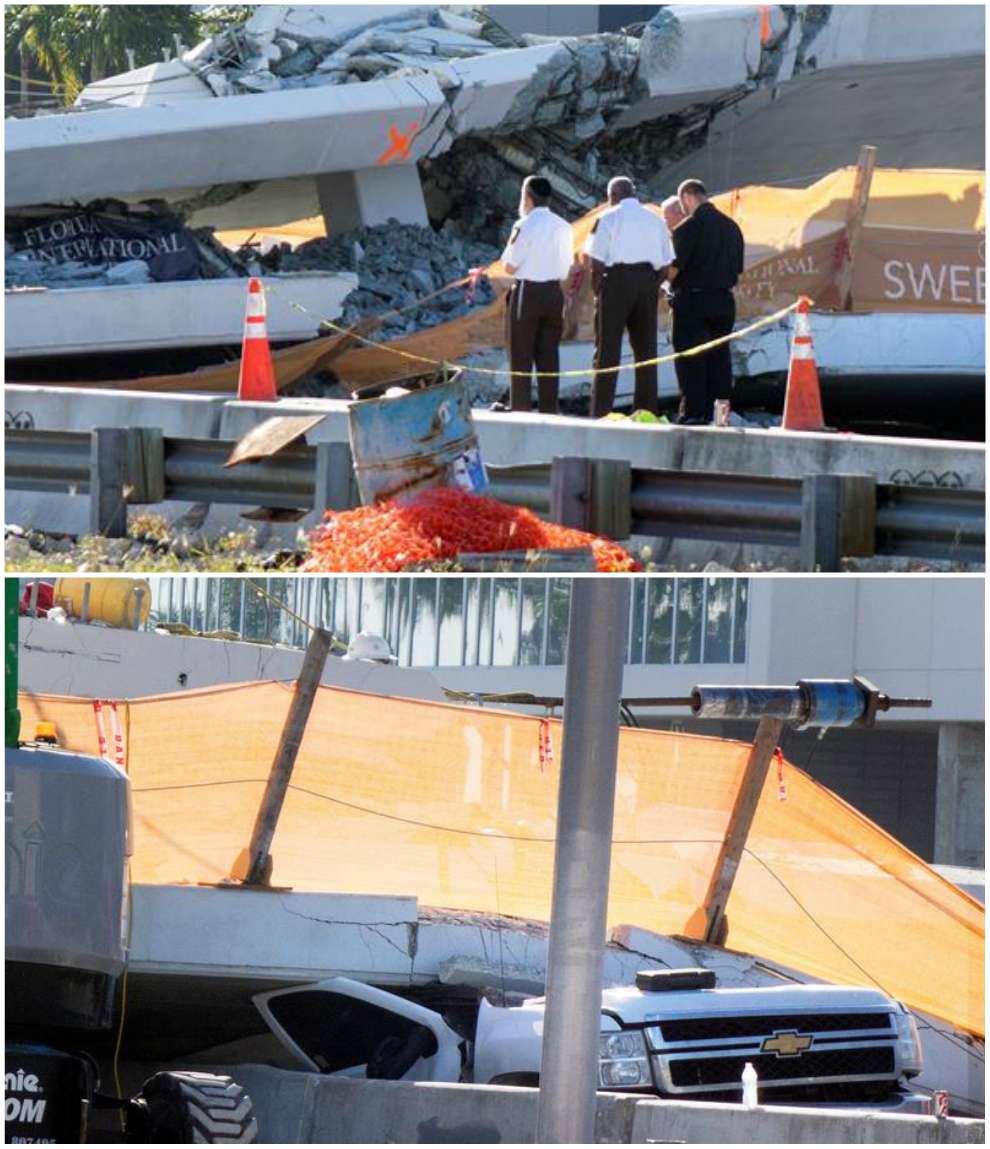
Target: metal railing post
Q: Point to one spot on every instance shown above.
(107, 482)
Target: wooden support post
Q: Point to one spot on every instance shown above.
(335, 487)
(254, 865)
(855, 218)
(570, 492)
(838, 519)
(737, 832)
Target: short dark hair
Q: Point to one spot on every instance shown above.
(691, 187)
(620, 188)
(538, 189)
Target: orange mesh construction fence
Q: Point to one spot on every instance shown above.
(450, 804)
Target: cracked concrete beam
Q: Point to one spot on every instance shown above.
(245, 933)
(689, 53)
(481, 973)
(133, 150)
(490, 85)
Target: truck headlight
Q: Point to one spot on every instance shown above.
(908, 1042)
(622, 1059)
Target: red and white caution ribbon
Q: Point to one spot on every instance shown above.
(546, 745)
(781, 784)
(116, 732)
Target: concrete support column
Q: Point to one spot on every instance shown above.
(959, 795)
(371, 196)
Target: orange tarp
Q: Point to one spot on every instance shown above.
(921, 249)
(449, 804)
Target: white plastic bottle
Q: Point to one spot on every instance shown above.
(749, 1086)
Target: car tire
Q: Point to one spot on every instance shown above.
(185, 1108)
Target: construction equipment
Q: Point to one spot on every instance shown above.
(67, 829)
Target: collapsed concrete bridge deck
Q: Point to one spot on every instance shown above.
(353, 147)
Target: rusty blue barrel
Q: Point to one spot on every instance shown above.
(403, 444)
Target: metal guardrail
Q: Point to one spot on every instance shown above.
(827, 516)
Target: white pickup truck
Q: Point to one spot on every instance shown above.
(673, 1034)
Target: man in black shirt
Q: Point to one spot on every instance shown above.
(708, 247)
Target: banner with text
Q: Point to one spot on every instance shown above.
(99, 239)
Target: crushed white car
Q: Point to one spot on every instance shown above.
(673, 1034)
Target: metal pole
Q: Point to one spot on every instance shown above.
(258, 862)
(12, 716)
(572, 1020)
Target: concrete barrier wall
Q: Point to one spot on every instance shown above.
(304, 1108)
(693, 1122)
(508, 439)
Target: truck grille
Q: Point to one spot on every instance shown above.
(724, 1071)
(709, 1028)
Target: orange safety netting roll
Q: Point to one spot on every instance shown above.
(449, 804)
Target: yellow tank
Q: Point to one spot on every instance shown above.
(114, 601)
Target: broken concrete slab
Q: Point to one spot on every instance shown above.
(687, 54)
(164, 83)
(489, 86)
(96, 316)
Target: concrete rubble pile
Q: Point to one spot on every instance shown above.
(285, 47)
(396, 264)
(568, 116)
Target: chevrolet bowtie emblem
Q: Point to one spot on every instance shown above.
(787, 1043)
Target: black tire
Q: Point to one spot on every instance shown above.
(188, 1108)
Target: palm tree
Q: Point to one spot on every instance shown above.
(37, 34)
(102, 33)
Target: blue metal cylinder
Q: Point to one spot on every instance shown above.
(405, 444)
(812, 702)
(831, 702)
(785, 702)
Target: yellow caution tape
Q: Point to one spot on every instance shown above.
(764, 321)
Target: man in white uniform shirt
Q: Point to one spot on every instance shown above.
(538, 256)
(630, 252)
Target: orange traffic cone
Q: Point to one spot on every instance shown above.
(257, 377)
(803, 401)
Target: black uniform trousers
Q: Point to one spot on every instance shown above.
(700, 316)
(534, 325)
(626, 301)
